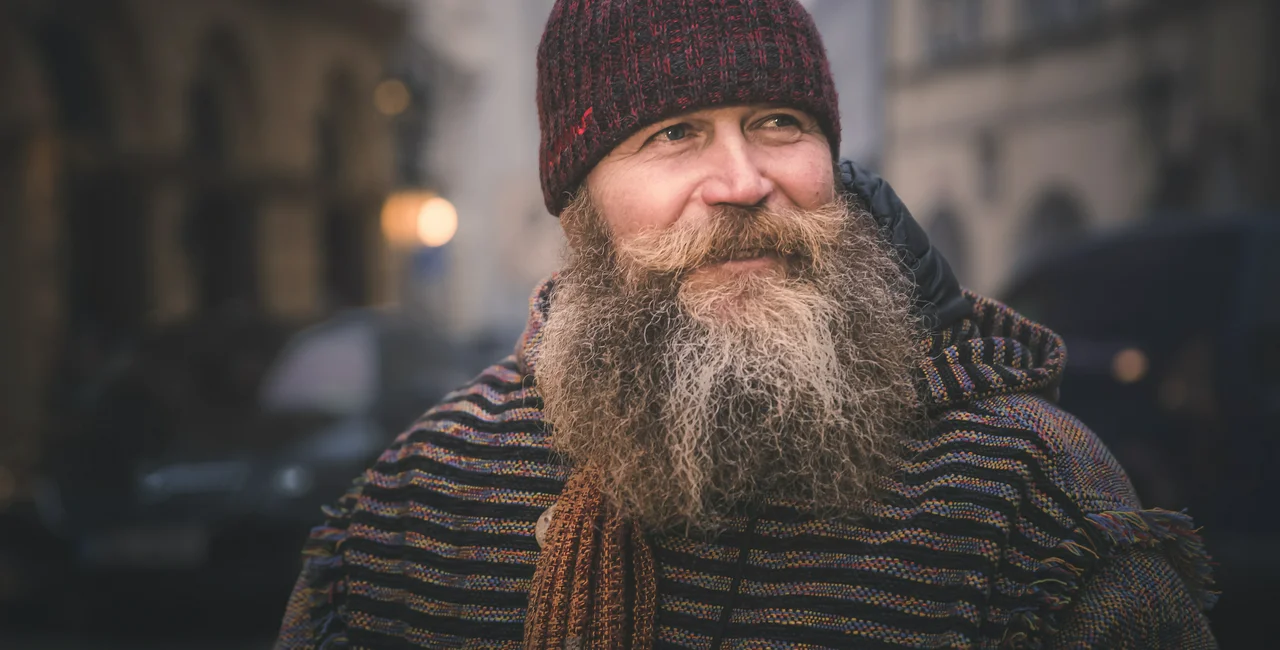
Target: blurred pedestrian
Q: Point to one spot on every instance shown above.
(753, 408)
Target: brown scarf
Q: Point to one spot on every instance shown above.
(594, 586)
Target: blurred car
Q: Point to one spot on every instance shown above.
(1173, 344)
(209, 457)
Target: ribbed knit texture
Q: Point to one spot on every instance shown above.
(1009, 526)
(595, 580)
(609, 67)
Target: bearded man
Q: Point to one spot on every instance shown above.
(752, 410)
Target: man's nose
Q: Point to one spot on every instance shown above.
(735, 178)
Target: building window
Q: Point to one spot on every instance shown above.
(1056, 222)
(952, 28)
(1041, 16)
(220, 228)
(344, 218)
(989, 165)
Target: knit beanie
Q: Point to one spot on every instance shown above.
(607, 68)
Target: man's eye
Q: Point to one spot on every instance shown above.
(673, 132)
(781, 121)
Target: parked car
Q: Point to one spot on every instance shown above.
(1173, 344)
(206, 461)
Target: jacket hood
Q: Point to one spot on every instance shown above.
(994, 351)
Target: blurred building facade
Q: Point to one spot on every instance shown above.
(481, 153)
(1016, 126)
(853, 33)
(163, 162)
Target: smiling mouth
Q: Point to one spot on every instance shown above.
(746, 260)
(749, 255)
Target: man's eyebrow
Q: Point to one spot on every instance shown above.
(697, 113)
(784, 107)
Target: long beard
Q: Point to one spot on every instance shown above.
(698, 393)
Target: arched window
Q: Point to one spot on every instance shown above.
(947, 234)
(103, 209)
(345, 223)
(220, 233)
(1056, 221)
(83, 107)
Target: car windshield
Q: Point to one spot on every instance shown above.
(331, 368)
(1135, 290)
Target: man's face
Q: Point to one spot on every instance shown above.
(678, 172)
(725, 328)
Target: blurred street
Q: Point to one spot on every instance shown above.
(63, 642)
(142, 615)
(143, 624)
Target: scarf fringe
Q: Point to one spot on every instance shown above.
(1109, 534)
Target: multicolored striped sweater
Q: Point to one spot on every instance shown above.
(1011, 526)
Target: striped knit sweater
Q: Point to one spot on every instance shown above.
(1010, 526)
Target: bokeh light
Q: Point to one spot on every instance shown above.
(437, 222)
(1129, 366)
(391, 97)
(400, 216)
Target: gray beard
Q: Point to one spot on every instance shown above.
(695, 399)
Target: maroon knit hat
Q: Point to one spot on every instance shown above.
(607, 68)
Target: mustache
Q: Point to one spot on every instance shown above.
(801, 237)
